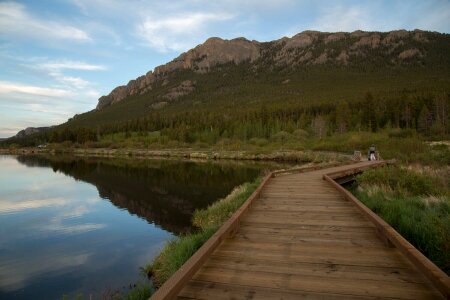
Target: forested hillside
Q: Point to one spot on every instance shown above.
(313, 84)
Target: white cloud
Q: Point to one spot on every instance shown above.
(179, 32)
(10, 87)
(75, 82)
(18, 206)
(340, 18)
(38, 263)
(377, 16)
(9, 131)
(70, 65)
(55, 70)
(72, 229)
(23, 105)
(16, 21)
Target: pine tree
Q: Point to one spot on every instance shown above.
(343, 114)
(369, 115)
(425, 120)
(319, 126)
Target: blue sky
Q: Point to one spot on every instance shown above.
(58, 57)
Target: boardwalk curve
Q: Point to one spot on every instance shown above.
(302, 238)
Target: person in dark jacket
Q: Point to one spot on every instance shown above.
(371, 154)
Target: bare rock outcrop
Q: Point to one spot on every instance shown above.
(409, 53)
(214, 51)
(300, 40)
(358, 33)
(185, 88)
(138, 86)
(321, 59)
(343, 57)
(335, 37)
(159, 105)
(420, 36)
(372, 41)
(31, 130)
(306, 57)
(394, 36)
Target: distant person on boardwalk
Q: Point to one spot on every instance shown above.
(371, 153)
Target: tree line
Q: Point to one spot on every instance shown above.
(426, 114)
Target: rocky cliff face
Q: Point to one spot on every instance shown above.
(31, 130)
(303, 49)
(201, 59)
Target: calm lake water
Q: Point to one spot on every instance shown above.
(80, 225)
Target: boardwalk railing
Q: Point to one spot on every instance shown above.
(391, 237)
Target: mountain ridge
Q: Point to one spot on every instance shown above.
(303, 49)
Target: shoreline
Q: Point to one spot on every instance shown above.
(278, 155)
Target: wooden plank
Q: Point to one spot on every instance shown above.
(308, 214)
(316, 269)
(326, 220)
(290, 255)
(311, 197)
(313, 248)
(295, 282)
(307, 231)
(299, 188)
(304, 208)
(203, 290)
(303, 202)
(311, 228)
(330, 240)
(303, 195)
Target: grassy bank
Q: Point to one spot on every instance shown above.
(177, 251)
(190, 153)
(406, 146)
(416, 202)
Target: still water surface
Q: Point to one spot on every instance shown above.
(72, 226)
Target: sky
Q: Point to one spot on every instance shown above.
(58, 57)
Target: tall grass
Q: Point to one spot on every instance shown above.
(416, 204)
(139, 292)
(176, 252)
(220, 211)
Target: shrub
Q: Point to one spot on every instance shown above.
(402, 133)
(300, 134)
(281, 136)
(400, 180)
(259, 142)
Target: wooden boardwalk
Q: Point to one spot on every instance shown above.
(302, 239)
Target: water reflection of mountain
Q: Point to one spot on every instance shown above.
(163, 192)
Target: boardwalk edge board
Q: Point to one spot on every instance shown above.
(388, 234)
